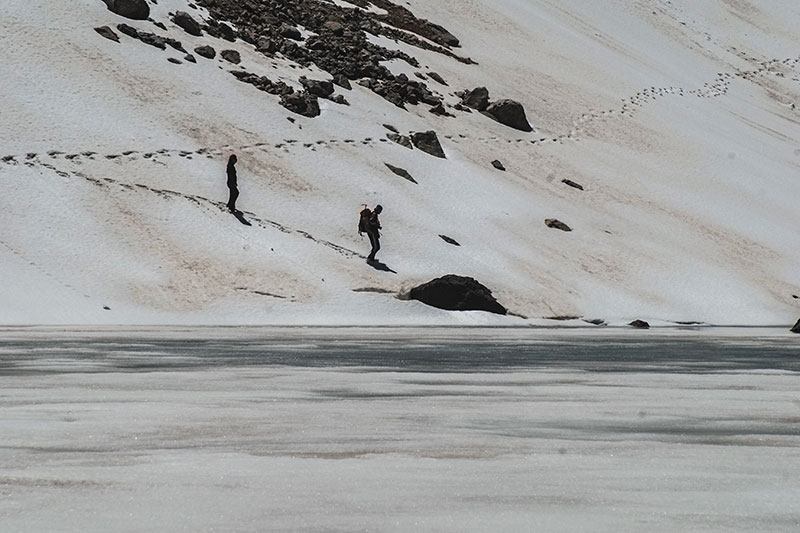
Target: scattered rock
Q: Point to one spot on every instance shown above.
(186, 22)
(390, 128)
(206, 51)
(319, 88)
(572, 184)
(301, 103)
(290, 32)
(498, 165)
(557, 224)
(639, 324)
(132, 9)
(477, 98)
(439, 109)
(174, 60)
(190, 58)
(402, 140)
(796, 327)
(437, 78)
(342, 82)
(231, 56)
(509, 113)
(428, 142)
(108, 33)
(449, 240)
(403, 173)
(220, 30)
(457, 293)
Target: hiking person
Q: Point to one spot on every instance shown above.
(373, 232)
(232, 184)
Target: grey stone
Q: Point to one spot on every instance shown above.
(108, 33)
(206, 51)
(509, 113)
(231, 56)
(403, 173)
(639, 324)
(186, 22)
(556, 224)
(428, 142)
(477, 98)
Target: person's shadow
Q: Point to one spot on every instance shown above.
(383, 267)
(240, 217)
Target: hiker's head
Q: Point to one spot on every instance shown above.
(232, 159)
(378, 208)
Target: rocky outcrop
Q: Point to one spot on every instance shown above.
(457, 293)
(509, 113)
(428, 142)
(319, 88)
(556, 224)
(402, 140)
(796, 327)
(639, 324)
(132, 9)
(186, 22)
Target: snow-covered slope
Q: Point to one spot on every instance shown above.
(678, 118)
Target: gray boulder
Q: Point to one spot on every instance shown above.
(186, 22)
(301, 103)
(457, 293)
(206, 51)
(132, 9)
(108, 33)
(428, 142)
(231, 56)
(509, 113)
(477, 98)
(319, 88)
(639, 324)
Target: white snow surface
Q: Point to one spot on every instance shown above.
(678, 118)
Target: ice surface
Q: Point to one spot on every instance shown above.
(405, 430)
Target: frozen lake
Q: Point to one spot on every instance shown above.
(233, 429)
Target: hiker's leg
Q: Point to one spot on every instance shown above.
(232, 198)
(373, 240)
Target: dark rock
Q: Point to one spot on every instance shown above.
(174, 60)
(437, 78)
(190, 58)
(595, 321)
(108, 33)
(457, 293)
(290, 32)
(498, 165)
(572, 184)
(185, 21)
(796, 327)
(206, 51)
(390, 128)
(428, 142)
(439, 109)
(333, 27)
(342, 81)
(639, 324)
(462, 108)
(403, 140)
(231, 56)
(449, 240)
(509, 113)
(174, 43)
(132, 9)
(339, 99)
(403, 173)
(220, 30)
(477, 98)
(146, 37)
(557, 224)
(301, 103)
(319, 88)
(267, 46)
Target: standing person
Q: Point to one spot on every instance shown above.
(373, 232)
(232, 184)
